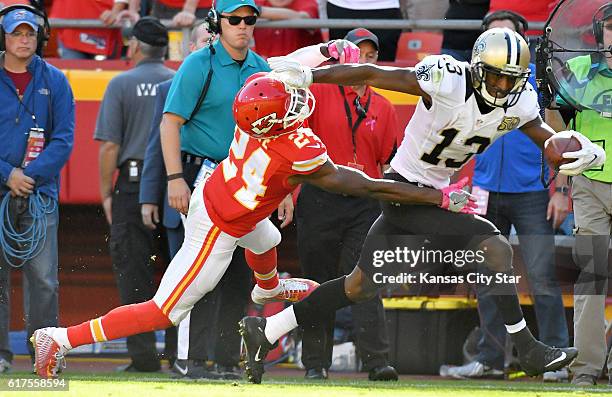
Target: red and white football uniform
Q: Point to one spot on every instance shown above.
(231, 209)
(237, 201)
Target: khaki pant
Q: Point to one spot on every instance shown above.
(592, 211)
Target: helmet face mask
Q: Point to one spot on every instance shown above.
(301, 106)
(486, 78)
(500, 56)
(266, 107)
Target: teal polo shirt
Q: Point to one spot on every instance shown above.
(210, 131)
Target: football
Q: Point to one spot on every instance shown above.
(555, 149)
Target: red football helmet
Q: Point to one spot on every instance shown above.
(265, 107)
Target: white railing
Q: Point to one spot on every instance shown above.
(425, 24)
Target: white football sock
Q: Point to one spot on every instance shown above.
(279, 324)
(269, 293)
(514, 328)
(60, 335)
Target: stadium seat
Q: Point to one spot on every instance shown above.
(414, 46)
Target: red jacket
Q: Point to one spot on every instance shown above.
(276, 42)
(92, 41)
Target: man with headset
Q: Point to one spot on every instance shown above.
(588, 83)
(36, 112)
(198, 328)
(507, 174)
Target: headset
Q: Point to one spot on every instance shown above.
(520, 23)
(604, 10)
(213, 19)
(43, 31)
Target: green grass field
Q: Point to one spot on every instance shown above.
(111, 385)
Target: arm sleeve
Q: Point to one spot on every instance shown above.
(55, 155)
(152, 182)
(187, 86)
(5, 171)
(109, 125)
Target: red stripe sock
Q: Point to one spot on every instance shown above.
(264, 268)
(120, 322)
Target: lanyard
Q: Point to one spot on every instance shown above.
(22, 104)
(361, 115)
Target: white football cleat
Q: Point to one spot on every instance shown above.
(288, 290)
(49, 355)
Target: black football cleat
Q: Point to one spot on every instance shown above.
(543, 358)
(256, 345)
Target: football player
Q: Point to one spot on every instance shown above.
(272, 152)
(463, 107)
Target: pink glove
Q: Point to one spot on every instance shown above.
(455, 199)
(344, 51)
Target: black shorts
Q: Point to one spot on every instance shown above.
(420, 228)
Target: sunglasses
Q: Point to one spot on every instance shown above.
(235, 20)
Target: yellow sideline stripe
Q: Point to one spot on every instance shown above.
(455, 302)
(398, 98)
(89, 85)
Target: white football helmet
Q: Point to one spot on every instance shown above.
(500, 52)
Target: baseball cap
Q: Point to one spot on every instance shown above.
(233, 5)
(358, 35)
(151, 31)
(17, 17)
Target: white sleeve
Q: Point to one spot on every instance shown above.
(308, 56)
(443, 78)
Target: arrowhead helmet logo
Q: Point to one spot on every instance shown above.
(266, 123)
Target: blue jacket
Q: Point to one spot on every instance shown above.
(153, 179)
(50, 98)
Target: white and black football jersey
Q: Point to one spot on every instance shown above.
(440, 140)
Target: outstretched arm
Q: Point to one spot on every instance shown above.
(339, 179)
(389, 78)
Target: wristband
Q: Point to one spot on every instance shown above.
(172, 177)
(562, 189)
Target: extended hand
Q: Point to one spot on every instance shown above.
(344, 51)
(455, 199)
(589, 156)
(290, 72)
